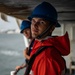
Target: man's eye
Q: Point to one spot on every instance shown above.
(42, 22)
(32, 21)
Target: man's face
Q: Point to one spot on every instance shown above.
(27, 33)
(38, 25)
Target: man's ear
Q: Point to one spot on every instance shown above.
(53, 27)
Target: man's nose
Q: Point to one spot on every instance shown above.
(35, 24)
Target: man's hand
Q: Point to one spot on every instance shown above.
(25, 54)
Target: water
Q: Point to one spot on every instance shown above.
(11, 53)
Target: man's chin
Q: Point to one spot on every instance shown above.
(34, 36)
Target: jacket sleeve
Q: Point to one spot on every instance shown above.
(46, 66)
(62, 44)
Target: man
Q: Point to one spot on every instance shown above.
(26, 31)
(49, 61)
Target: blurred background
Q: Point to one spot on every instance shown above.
(12, 43)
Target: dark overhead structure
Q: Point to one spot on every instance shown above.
(22, 8)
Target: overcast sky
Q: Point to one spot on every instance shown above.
(7, 25)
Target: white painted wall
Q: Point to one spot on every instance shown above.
(70, 28)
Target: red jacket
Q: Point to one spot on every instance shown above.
(50, 61)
